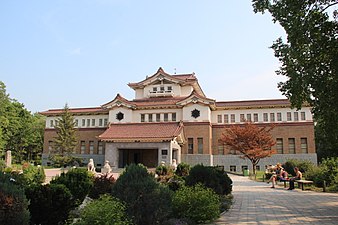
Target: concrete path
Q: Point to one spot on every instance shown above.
(257, 203)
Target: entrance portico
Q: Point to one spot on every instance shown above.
(149, 144)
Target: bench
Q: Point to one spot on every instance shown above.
(302, 182)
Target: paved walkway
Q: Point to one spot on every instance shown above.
(257, 203)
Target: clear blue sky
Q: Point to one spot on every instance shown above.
(84, 52)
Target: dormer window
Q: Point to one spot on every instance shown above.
(169, 88)
(161, 88)
(154, 89)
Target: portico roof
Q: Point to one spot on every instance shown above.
(143, 132)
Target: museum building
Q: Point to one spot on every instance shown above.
(171, 118)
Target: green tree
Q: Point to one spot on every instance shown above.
(309, 60)
(65, 141)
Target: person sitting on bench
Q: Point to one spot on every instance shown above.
(293, 179)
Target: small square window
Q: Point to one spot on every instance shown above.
(164, 151)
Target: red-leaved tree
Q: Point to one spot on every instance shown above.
(251, 141)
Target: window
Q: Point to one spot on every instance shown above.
(233, 118)
(220, 149)
(302, 116)
(279, 116)
(76, 122)
(158, 117)
(83, 122)
(105, 123)
(142, 117)
(288, 116)
(164, 152)
(173, 116)
(91, 147)
(255, 117)
(50, 146)
(166, 117)
(154, 89)
(272, 117)
(292, 147)
(295, 116)
(88, 122)
(258, 167)
(303, 145)
(232, 168)
(83, 147)
(93, 122)
(169, 88)
(242, 118)
(279, 145)
(244, 167)
(162, 89)
(226, 118)
(265, 117)
(219, 118)
(248, 117)
(52, 123)
(150, 117)
(100, 122)
(100, 147)
(200, 145)
(119, 116)
(190, 145)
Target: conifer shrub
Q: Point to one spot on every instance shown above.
(13, 202)
(33, 175)
(147, 201)
(210, 177)
(49, 204)
(103, 184)
(182, 169)
(106, 210)
(79, 182)
(196, 203)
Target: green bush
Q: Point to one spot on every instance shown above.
(33, 175)
(182, 169)
(102, 185)
(303, 165)
(79, 182)
(162, 170)
(210, 177)
(106, 210)
(49, 204)
(147, 201)
(197, 203)
(2, 165)
(175, 182)
(13, 203)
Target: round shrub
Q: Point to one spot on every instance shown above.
(78, 181)
(303, 165)
(147, 201)
(49, 204)
(33, 175)
(161, 170)
(197, 203)
(210, 177)
(103, 184)
(182, 169)
(106, 210)
(13, 203)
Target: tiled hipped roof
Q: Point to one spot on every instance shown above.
(142, 131)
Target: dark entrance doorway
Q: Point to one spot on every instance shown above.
(147, 157)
